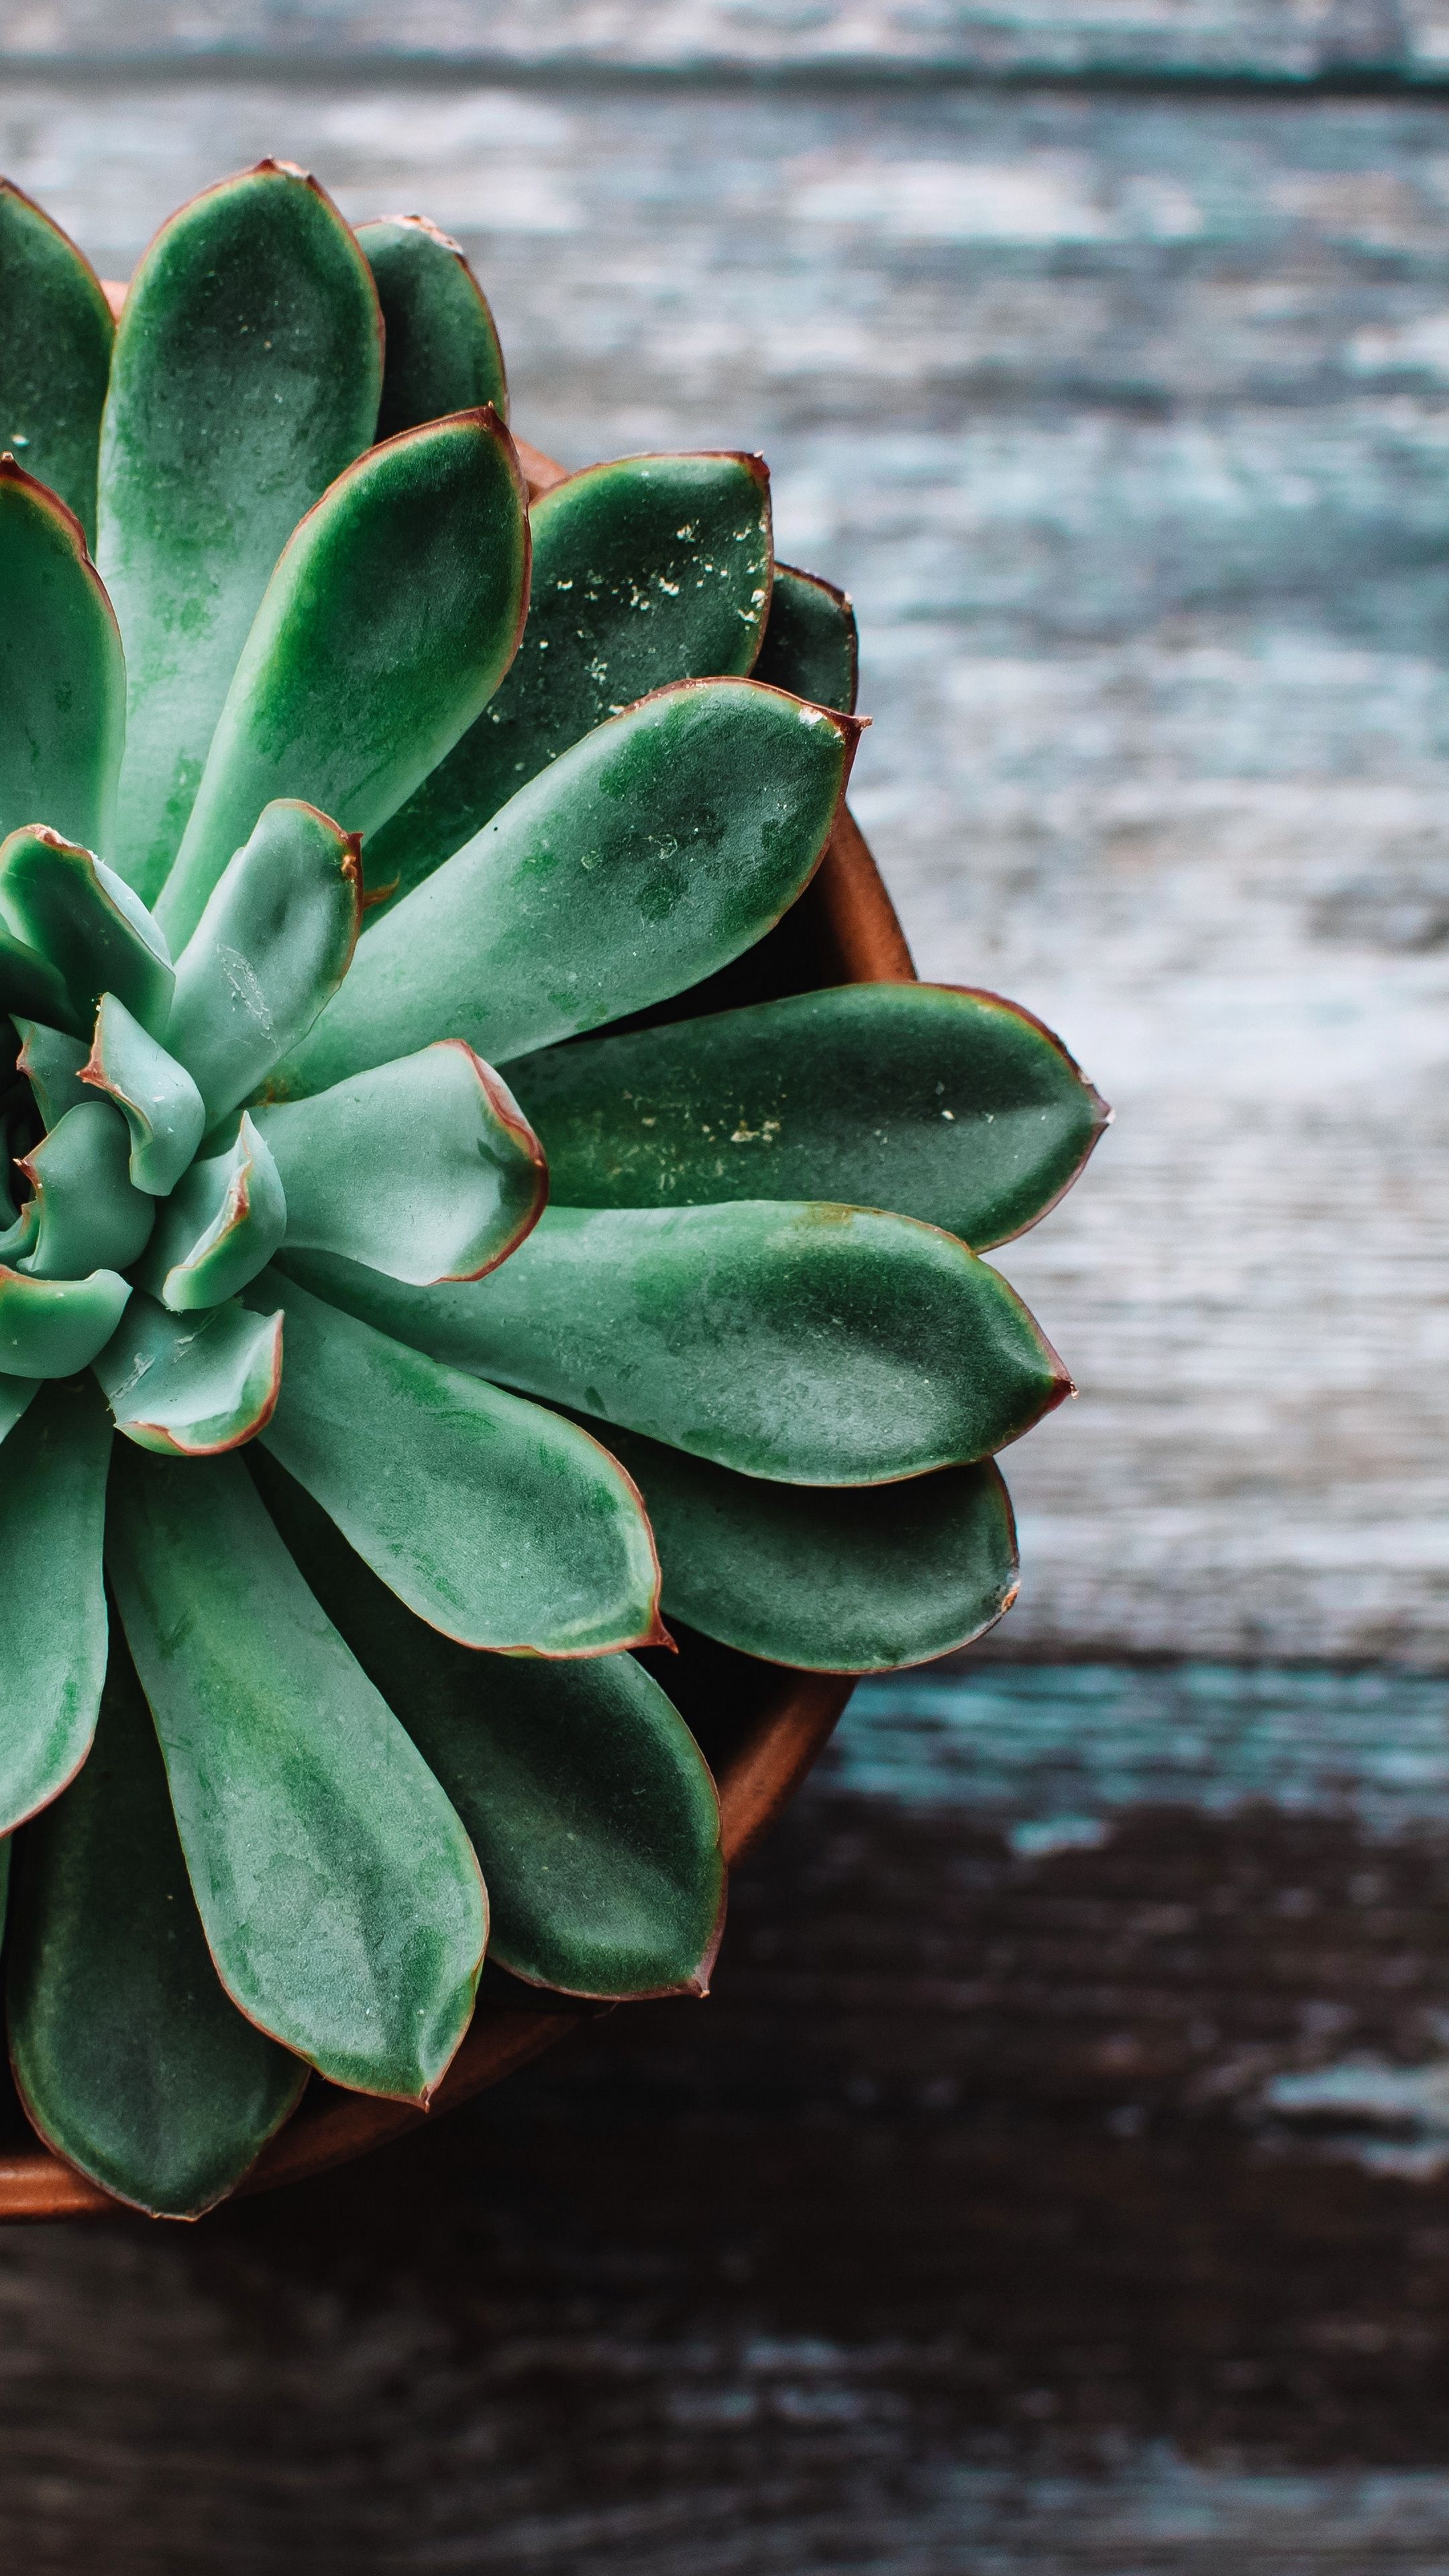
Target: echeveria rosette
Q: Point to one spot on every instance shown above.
(448, 1336)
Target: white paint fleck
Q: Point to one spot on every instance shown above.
(241, 975)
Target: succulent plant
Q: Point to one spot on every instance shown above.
(436, 1384)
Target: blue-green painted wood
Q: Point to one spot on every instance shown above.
(878, 44)
(1135, 472)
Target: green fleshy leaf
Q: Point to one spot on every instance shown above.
(220, 1226)
(74, 912)
(52, 1065)
(52, 1327)
(247, 371)
(52, 1601)
(811, 646)
(442, 347)
(828, 1579)
(654, 851)
(812, 1345)
(953, 1107)
(495, 1522)
(160, 1103)
(645, 571)
(340, 1896)
(30, 989)
(424, 1168)
(62, 678)
(192, 1387)
(85, 1214)
(19, 1238)
(389, 622)
(585, 1796)
(55, 357)
(271, 948)
(16, 1395)
(129, 2058)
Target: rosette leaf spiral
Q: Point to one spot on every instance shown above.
(399, 1337)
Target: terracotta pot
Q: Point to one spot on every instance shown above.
(761, 1725)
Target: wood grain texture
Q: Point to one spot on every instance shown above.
(998, 2212)
(874, 39)
(1127, 424)
(1058, 2180)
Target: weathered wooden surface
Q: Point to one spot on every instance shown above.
(1127, 422)
(1057, 2181)
(882, 40)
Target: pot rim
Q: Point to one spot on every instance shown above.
(860, 941)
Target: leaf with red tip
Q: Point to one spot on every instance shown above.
(52, 1601)
(813, 1345)
(77, 914)
(810, 646)
(55, 355)
(220, 1226)
(269, 951)
(426, 1168)
(388, 623)
(954, 1107)
(86, 1213)
(62, 678)
(828, 1578)
(646, 570)
(52, 1065)
(494, 1521)
(588, 1802)
(442, 346)
(129, 2058)
(193, 1386)
(247, 370)
(340, 1897)
(657, 849)
(160, 1103)
(52, 1327)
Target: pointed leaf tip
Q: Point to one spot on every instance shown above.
(192, 1386)
(341, 1899)
(955, 1107)
(810, 644)
(425, 1168)
(442, 350)
(592, 1811)
(130, 2060)
(618, 606)
(253, 309)
(56, 354)
(62, 673)
(393, 612)
(72, 910)
(827, 1578)
(220, 1226)
(85, 1213)
(676, 834)
(162, 1107)
(801, 1343)
(500, 1524)
(52, 1065)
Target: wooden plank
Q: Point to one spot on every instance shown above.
(870, 39)
(1127, 424)
(986, 2216)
